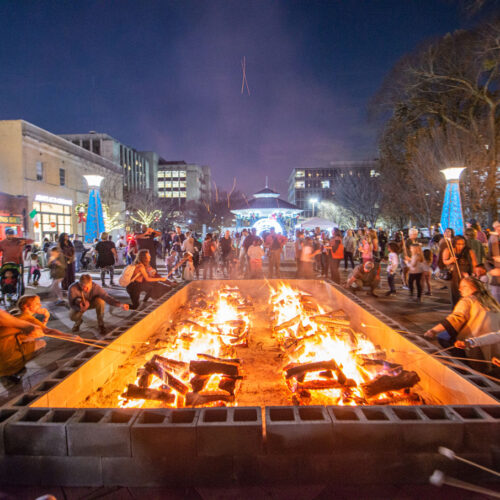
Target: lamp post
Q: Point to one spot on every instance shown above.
(313, 202)
(95, 219)
(451, 215)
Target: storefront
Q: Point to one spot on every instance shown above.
(12, 214)
(53, 217)
(9, 221)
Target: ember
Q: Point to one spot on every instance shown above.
(329, 363)
(200, 366)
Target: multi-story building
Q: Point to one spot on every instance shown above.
(180, 181)
(308, 186)
(42, 180)
(138, 169)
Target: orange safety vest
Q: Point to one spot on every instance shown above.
(339, 253)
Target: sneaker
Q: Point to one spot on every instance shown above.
(76, 328)
(404, 287)
(102, 329)
(104, 285)
(373, 294)
(388, 293)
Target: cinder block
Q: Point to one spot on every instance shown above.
(25, 400)
(20, 470)
(147, 471)
(71, 471)
(37, 432)
(162, 432)
(5, 416)
(303, 429)
(481, 426)
(213, 471)
(370, 428)
(426, 428)
(100, 433)
(229, 431)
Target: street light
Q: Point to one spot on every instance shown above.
(313, 202)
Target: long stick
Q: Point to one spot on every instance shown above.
(80, 342)
(468, 368)
(452, 251)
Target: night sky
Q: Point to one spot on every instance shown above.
(166, 76)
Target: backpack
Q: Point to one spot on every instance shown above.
(126, 277)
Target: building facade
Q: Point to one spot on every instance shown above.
(138, 167)
(182, 182)
(308, 186)
(47, 172)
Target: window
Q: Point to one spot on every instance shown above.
(76, 141)
(175, 173)
(182, 173)
(39, 171)
(300, 184)
(300, 173)
(175, 184)
(62, 177)
(182, 194)
(168, 173)
(86, 144)
(325, 184)
(96, 146)
(182, 184)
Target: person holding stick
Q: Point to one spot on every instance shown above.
(461, 261)
(475, 314)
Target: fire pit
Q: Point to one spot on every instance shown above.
(250, 381)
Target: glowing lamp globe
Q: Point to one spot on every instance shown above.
(94, 181)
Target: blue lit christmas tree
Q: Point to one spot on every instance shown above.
(451, 216)
(95, 219)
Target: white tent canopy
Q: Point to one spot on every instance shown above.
(313, 222)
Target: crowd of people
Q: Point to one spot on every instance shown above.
(468, 265)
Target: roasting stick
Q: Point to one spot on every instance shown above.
(468, 368)
(446, 452)
(438, 478)
(82, 342)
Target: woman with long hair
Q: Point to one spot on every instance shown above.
(475, 314)
(461, 261)
(68, 251)
(145, 279)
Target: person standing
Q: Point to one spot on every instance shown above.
(492, 263)
(392, 267)
(307, 257)
(274, 243)
(79, 249)
(255, 254)
(146, 241)
(226, 250)
(208, 249)
(349, 243)
(57, 265)
(299, 241)
(461, 263)
(68, 250)
(415, 270)
(335, 255)
(474, 244)
(106, 258)
(382, 241)
(11, 249)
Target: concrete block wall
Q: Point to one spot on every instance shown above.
(153, 447)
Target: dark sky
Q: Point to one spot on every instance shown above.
(166, 75)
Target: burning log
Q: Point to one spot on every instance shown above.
(318, 385)
(168, 378)
(170, 364)
(228, 384)
(198, 382)
(235, 361)
(135, 392)
(196, 398)
(380, 362)
(145, 378)
(211, 367)
(385, 383)
(288, 324)
(300, 371)
(327, 321)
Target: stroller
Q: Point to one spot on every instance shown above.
(11, 283)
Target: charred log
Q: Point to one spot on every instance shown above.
(209, 357)
(196, 398)
(168, 378)
(385, 383)
(135, 392)
(211, 367)
(198, 382)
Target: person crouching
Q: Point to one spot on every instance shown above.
(84, 295)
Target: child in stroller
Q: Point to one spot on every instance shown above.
(10, 282)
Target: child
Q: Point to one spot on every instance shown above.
(427, 270)
(415, 270)
(189, 267)
(392, 266)
(9, 282)
(255, 253)
(170, 261)
(34, 269)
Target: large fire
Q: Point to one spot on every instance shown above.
(326, 362)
